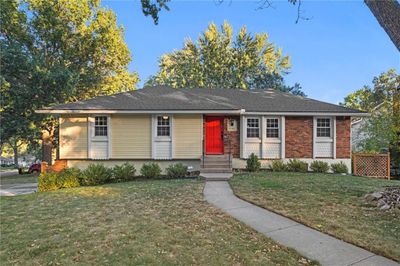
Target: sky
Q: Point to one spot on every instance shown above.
(339, 49)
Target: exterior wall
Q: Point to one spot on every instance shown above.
(130, 137)
(187, 136)
(73, 137)
(299, 137)
(343, 137)
(83, 164)
(233, 136)
(265, 164)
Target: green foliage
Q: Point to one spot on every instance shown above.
(339, 168)
(319, 167)
(96, 174)
(53, 181)
(253, 164)
(278, 166)
(150, 170)
(176, 170)
(220, 60)
(295, 165)
(153, 8)
(54, 52)
(382, 129)
(125, 171)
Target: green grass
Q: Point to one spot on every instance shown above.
(160, 222)
(329, 203)
(18, 179)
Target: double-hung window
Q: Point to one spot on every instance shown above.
(273, 128)
(163, 126)
(324, 127)
(100, 126)
(253, 128)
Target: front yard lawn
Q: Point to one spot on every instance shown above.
(18, 179)
(161, 222)
(329, 203)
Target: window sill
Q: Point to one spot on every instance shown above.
(99, 139)
(160, 139)
(252, 140)
(270, 140)
(323, 140)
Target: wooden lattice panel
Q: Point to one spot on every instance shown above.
(374, 165)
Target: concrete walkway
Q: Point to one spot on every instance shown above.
(18, 189)
(308, 242)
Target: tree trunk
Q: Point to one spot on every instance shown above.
(387, 12)
(47, 147)
(15, 150)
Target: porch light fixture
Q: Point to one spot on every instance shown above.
(165, 117)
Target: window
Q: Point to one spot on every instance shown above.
(324, 127)
(272, 128)
(253, 128)
(163, 126)
(100, 126)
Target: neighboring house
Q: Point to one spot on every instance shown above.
(193, 126)
(358, 135)
(6, 161)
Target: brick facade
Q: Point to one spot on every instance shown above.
(343, 136)
(233, 136)
(299, 137)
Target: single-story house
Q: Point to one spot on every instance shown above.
(200, 126)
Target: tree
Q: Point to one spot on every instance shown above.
(220, 60)
(55, 52)
(382, 101)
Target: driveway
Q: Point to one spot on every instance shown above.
(13, 184)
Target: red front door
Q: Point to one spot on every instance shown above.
(214, 135)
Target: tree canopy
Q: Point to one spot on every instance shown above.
(56, 52)
(383, 102)
(221, 60)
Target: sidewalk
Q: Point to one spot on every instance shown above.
(308, 242)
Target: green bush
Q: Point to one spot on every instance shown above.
(125, 171)
(96, 174)
(252, 163)
(176, 170)
(70, 177)
(48, 182)
(53, 181)
(339, 168)
(295, 165)
(150, 170)
(278, 166)
(319, 166)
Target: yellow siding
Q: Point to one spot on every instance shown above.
(73, 137)
(187, 133)
(131, 136)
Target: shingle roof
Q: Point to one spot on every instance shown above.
(165, 98)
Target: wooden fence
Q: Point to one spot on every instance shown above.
(373, 165)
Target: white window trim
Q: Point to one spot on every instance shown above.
(277, 139)
(93, 138)
(155, 138)
(324, 139)
(254, 139)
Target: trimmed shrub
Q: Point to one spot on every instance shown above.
(252, 163)
(295, 165)
(150, 170)
(278, 166)
(124, 171)
(319, 166)
(96, 174)
(54, 181)
(339, 168)
(70, 177)
(176, 170)
(48, 182)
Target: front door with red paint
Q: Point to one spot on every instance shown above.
(214, 135)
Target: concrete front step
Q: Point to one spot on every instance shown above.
(216, 176)
(215, 170)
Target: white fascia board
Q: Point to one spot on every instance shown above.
(307, 114)
(44, 111)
